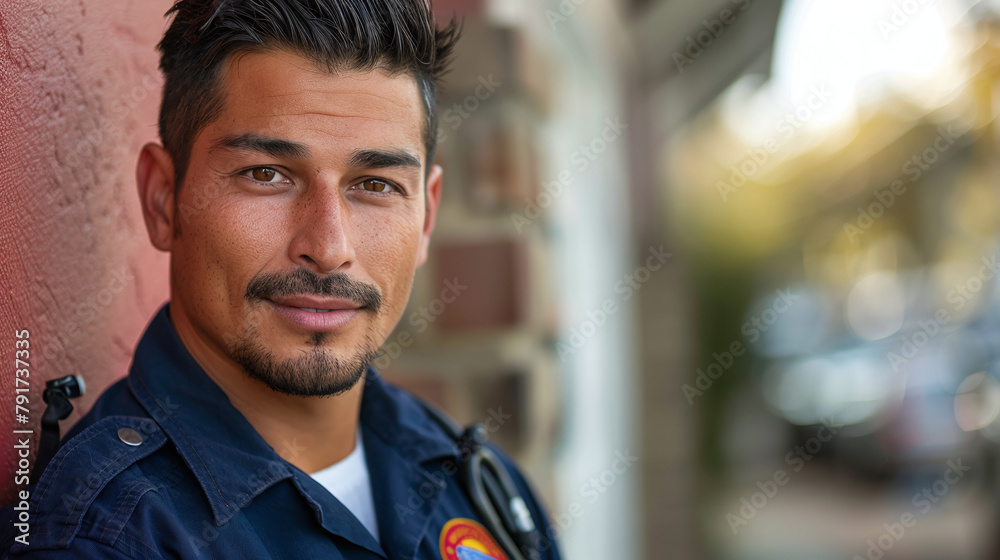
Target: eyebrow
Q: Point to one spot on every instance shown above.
(274, 147)
(384, 158)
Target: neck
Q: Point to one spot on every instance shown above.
(311, 433)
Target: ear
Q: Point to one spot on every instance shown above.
(154, 175)
(433, 187)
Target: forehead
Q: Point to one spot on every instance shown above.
(288, 95)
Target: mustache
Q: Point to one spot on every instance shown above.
(302, 281)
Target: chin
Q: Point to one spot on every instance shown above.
(315, 370)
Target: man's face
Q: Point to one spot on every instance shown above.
(302, 220)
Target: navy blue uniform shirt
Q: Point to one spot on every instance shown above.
(203, 483)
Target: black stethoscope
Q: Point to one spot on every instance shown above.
(483, 475)
(492, 491)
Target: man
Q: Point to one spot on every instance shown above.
(296, 195)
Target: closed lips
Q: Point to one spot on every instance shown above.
(314, 305)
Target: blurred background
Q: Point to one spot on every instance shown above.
(721, 273)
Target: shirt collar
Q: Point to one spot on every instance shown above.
(230, 460)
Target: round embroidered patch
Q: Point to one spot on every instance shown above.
(461, 536)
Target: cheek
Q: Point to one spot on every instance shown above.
(229, 241)
(388, 250)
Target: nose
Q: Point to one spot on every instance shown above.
(322, 237)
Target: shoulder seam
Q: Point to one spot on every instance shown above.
(64, 496)
(130, 499)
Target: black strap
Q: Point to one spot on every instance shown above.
(57, 394)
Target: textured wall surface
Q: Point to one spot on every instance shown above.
(79, 91)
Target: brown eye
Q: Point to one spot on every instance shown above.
(263, 174)
(373, 185)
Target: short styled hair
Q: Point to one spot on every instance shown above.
(399, 36)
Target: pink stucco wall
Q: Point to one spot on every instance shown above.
(79, 91)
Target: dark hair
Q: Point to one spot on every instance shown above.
(399, 36)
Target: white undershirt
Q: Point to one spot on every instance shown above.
(349, 482)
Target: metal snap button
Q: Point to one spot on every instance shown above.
(130, 436)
